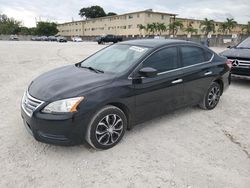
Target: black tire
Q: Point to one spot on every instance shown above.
(99, 42)
(212, 97)
(106, 128)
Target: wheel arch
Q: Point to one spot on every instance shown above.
(126, 111)
(220, 82)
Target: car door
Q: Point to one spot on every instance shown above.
(198, 72)
(164, 92)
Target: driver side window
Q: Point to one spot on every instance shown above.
(163, 60)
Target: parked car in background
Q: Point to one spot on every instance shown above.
(52, 38)
(14, 37)
(34, 38)
(239, 55)
(76, 39)
(108, 38)
(44, 38)
(61, 39)
(101, 97)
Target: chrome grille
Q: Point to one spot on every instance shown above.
(240, 63)
(30, 104)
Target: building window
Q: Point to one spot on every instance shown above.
(130, 16)
(162, 17)
(149, 15)
(129, 26)
(138, 15)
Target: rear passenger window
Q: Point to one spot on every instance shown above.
(163, 60)
(192, 55)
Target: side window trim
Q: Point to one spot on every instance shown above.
(179, 61)
(155, 51)
(187, 45)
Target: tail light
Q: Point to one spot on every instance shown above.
(229, 64)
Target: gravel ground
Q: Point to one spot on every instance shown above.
(187, 148)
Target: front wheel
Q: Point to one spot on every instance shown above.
(106, 128)
(212, 97)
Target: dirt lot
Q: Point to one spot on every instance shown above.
(187, 148)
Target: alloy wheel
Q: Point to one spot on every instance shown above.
(214, 96)
(109, 129)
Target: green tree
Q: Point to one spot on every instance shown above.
(247, 28)
(207, 26)
(230, 23)
(141, 27)
(151, 28)
(175, 26)
(92, 12)
(111, 14)
(161, 27)
(33, 31)
(46, 28)
(190, 30)
(24, 31)
(223, 28)
(9, 25)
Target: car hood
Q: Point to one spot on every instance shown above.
(235, 53)
(66, 82)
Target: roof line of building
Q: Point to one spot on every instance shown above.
(193, 19)
(113, 16)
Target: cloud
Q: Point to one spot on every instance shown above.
(61, 10)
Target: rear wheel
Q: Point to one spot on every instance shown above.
(212, 97)
(106, 128)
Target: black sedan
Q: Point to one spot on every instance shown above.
(240, 57)
(122, 85)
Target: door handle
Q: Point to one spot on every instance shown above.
(177, 81)
(208, 73)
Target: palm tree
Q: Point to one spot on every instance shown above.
(191, 30)
(223, 28)
(207, 26)
(231, 23)
(151, 28)
(175, 26)
(141, 27)
(161, 27)
(247, 28)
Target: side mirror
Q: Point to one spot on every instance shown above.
(148, 72)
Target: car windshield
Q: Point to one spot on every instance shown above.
(245, 43)
(115, 58)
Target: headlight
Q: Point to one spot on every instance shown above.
(65, 105)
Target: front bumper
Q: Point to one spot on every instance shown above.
(66, 129)
(240, 71)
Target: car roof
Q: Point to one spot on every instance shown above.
(155, 43)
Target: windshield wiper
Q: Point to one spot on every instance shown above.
(92, 69)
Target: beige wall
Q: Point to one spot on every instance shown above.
(127, 25)
(71, 29)
(118, 25)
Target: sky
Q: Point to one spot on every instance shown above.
(28, 11)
